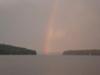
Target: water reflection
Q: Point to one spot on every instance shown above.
(49, 65)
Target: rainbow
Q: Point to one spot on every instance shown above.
(50, 28)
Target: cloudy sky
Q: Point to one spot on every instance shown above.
(50, 25)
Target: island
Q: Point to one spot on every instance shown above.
(82, 52)
(6, 49)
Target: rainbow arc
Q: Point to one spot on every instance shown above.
(50, 28)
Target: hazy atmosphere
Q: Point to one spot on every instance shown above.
(50, 26)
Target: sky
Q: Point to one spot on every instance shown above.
(50, 26)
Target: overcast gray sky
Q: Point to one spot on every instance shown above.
(76, 25)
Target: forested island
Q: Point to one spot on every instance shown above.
(13, 50)
(82, 52)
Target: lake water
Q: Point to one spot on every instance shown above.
(49, 65)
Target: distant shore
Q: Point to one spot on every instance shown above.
(13, 50)
(82, 52)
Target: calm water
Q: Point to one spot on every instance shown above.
(49, 65)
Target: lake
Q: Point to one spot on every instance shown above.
(49, 65)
